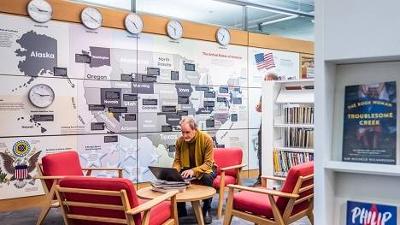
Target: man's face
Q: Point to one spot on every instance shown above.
(187, 132)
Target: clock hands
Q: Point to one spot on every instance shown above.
(41, 95)
(91, 17)
(173, 28)
(39, 9)
(134, 24)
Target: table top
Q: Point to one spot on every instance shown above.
(194, 192)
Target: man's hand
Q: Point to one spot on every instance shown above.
(187, 173)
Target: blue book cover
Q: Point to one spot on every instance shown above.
(369, 129)
(361, 213)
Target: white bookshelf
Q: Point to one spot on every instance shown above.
(351, 48)
(278, 96)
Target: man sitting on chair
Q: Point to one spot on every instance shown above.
(194, 157)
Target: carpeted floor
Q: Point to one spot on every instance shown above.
(29, 216)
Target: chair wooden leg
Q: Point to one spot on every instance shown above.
(310, 216)
(228, 218)
(49, 198)
(174, 210)
(228, 210)
(43, 214)
(220, 202)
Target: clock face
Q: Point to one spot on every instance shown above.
(223, 36)
(174, 29)
(133, 23)
(91, 18)
(40, 10)
(41, 95)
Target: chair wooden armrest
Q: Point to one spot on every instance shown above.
(233, 167)
(273, 178)
(264, 191)
(89, 170)
(49, 177)
(264, 180)
(151, 203)
(98, 168)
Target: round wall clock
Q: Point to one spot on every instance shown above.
(41, 95)
(40, 10)
(174, 29)
(91, 18)
(133, 23)
(223, 36)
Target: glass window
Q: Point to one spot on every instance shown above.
(280, 24)
(120, 4)
(204, 11)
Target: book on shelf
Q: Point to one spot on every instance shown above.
(295, 137)
(369, 129)
(298, 114)
(361, 213)
(284, 160)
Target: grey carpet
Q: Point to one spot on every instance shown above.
(29, 216)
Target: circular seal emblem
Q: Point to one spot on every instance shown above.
(21, 148)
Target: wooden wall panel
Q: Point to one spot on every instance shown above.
(21, 203)
(280, 43)
(70, 12)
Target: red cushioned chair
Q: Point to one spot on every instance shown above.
(110, 201)
(229, 165)
(272, 207)
(54, 167)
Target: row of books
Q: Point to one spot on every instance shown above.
(298, 137)
(283, 160)
(298, 114)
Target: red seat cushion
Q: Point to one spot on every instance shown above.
(109, 184)
(160, 213)
(61, 164)
(228, 180)
(255, 203)
(259, 204)
(225, 157)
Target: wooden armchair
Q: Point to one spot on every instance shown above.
(229, 164)
(272, 207)
(110, 201)
(54, 167)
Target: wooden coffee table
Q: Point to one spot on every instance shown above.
(194, 194)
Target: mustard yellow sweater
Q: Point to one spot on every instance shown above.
(203, 154)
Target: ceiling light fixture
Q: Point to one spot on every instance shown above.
(279, 20)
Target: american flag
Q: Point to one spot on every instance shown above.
(264, 61)
(21, 172)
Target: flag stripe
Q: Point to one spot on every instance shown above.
(264, 61)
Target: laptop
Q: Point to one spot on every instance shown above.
(168, 174)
